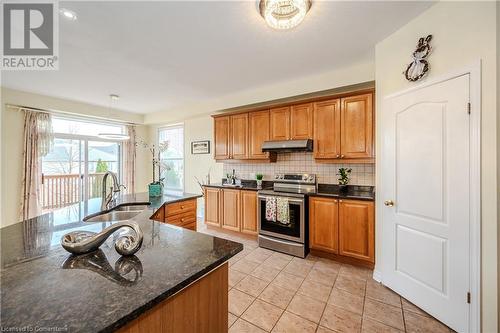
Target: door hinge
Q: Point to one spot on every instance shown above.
(468, 297)
(468, 108)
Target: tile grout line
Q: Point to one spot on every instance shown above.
(403, 312)
(329, 295)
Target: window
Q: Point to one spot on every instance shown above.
(172, 160)
(74, 169)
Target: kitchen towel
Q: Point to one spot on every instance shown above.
(283, 210)
(271, 209)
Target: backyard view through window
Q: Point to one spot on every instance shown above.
(74, 169)
(172, 160)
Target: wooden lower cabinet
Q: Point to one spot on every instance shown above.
(231, 209)
(323, 224)
(201, 307)
(357, 229)
(181, 214)
(212, 206)
(345, 228)
(249, 212)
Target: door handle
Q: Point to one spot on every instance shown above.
(389, 203)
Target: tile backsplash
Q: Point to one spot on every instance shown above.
(362, 174)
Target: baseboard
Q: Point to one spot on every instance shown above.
(377, 275)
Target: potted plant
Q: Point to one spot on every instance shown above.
(343, 178)
(259, 178)
(155, 188)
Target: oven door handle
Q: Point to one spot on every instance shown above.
(299, 201)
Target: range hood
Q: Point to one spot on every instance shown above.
(287, 146)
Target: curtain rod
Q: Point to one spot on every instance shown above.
(76, 115)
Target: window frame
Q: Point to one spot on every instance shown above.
(183, 159)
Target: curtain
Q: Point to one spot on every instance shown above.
(38, 141)
(129, 158)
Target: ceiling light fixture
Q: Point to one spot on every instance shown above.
(113, 136)
(68, 14)
(284, 14)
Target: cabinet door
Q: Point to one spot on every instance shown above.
(258, 132)
(280, 123)
(221, 137)
(326, 132)
(356, 127)
(249, 212)
(301, 121)
(357, 229)
(239, 135)
(231, 209)
(323, 224)
(212, 204)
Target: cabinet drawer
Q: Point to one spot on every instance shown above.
(191, 226)
(180, 207)
(182, 219)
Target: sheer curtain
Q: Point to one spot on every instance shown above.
(129, 158)
(38, 141)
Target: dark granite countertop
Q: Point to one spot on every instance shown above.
(250, 185)
(43, 286)
(352, 192)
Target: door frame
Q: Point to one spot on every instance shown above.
(474, 72)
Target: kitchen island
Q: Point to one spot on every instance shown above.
(176, 273)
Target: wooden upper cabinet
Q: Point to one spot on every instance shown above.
(230, 209)
(258, 132)
(356, 126)
(323, 224)
(212, 206)
(280, 124)
(326, 129)
(301, 121)
(239, 136)
(357, 229)
(249, 212)
(221, 136)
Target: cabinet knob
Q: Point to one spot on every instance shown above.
(337, 156)
(182, 207)
(341, 156)
(389, 203)
(340, 200)
(335, 200)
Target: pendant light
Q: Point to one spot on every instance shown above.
(113, 136)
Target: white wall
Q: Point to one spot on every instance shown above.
(12, 141)
(358, 73)
(463, 32)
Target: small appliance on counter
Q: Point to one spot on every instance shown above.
(283, 212)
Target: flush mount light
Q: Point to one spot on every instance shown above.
(113, 136)
(284, 14)
(68, 14)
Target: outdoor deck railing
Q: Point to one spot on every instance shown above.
(66, 189)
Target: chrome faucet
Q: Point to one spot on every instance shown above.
(107, 199)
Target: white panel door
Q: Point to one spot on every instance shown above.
(425, 172)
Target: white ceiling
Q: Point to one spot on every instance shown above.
(159, 55)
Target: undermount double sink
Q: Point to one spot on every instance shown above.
(119, 213)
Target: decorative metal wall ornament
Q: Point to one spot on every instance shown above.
(420, 66)
(126, 244)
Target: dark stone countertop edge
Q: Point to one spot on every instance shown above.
(342, 196)
(128, 318)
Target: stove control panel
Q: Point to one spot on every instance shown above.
(299, 178)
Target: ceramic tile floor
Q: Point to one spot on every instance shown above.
(273, 292)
